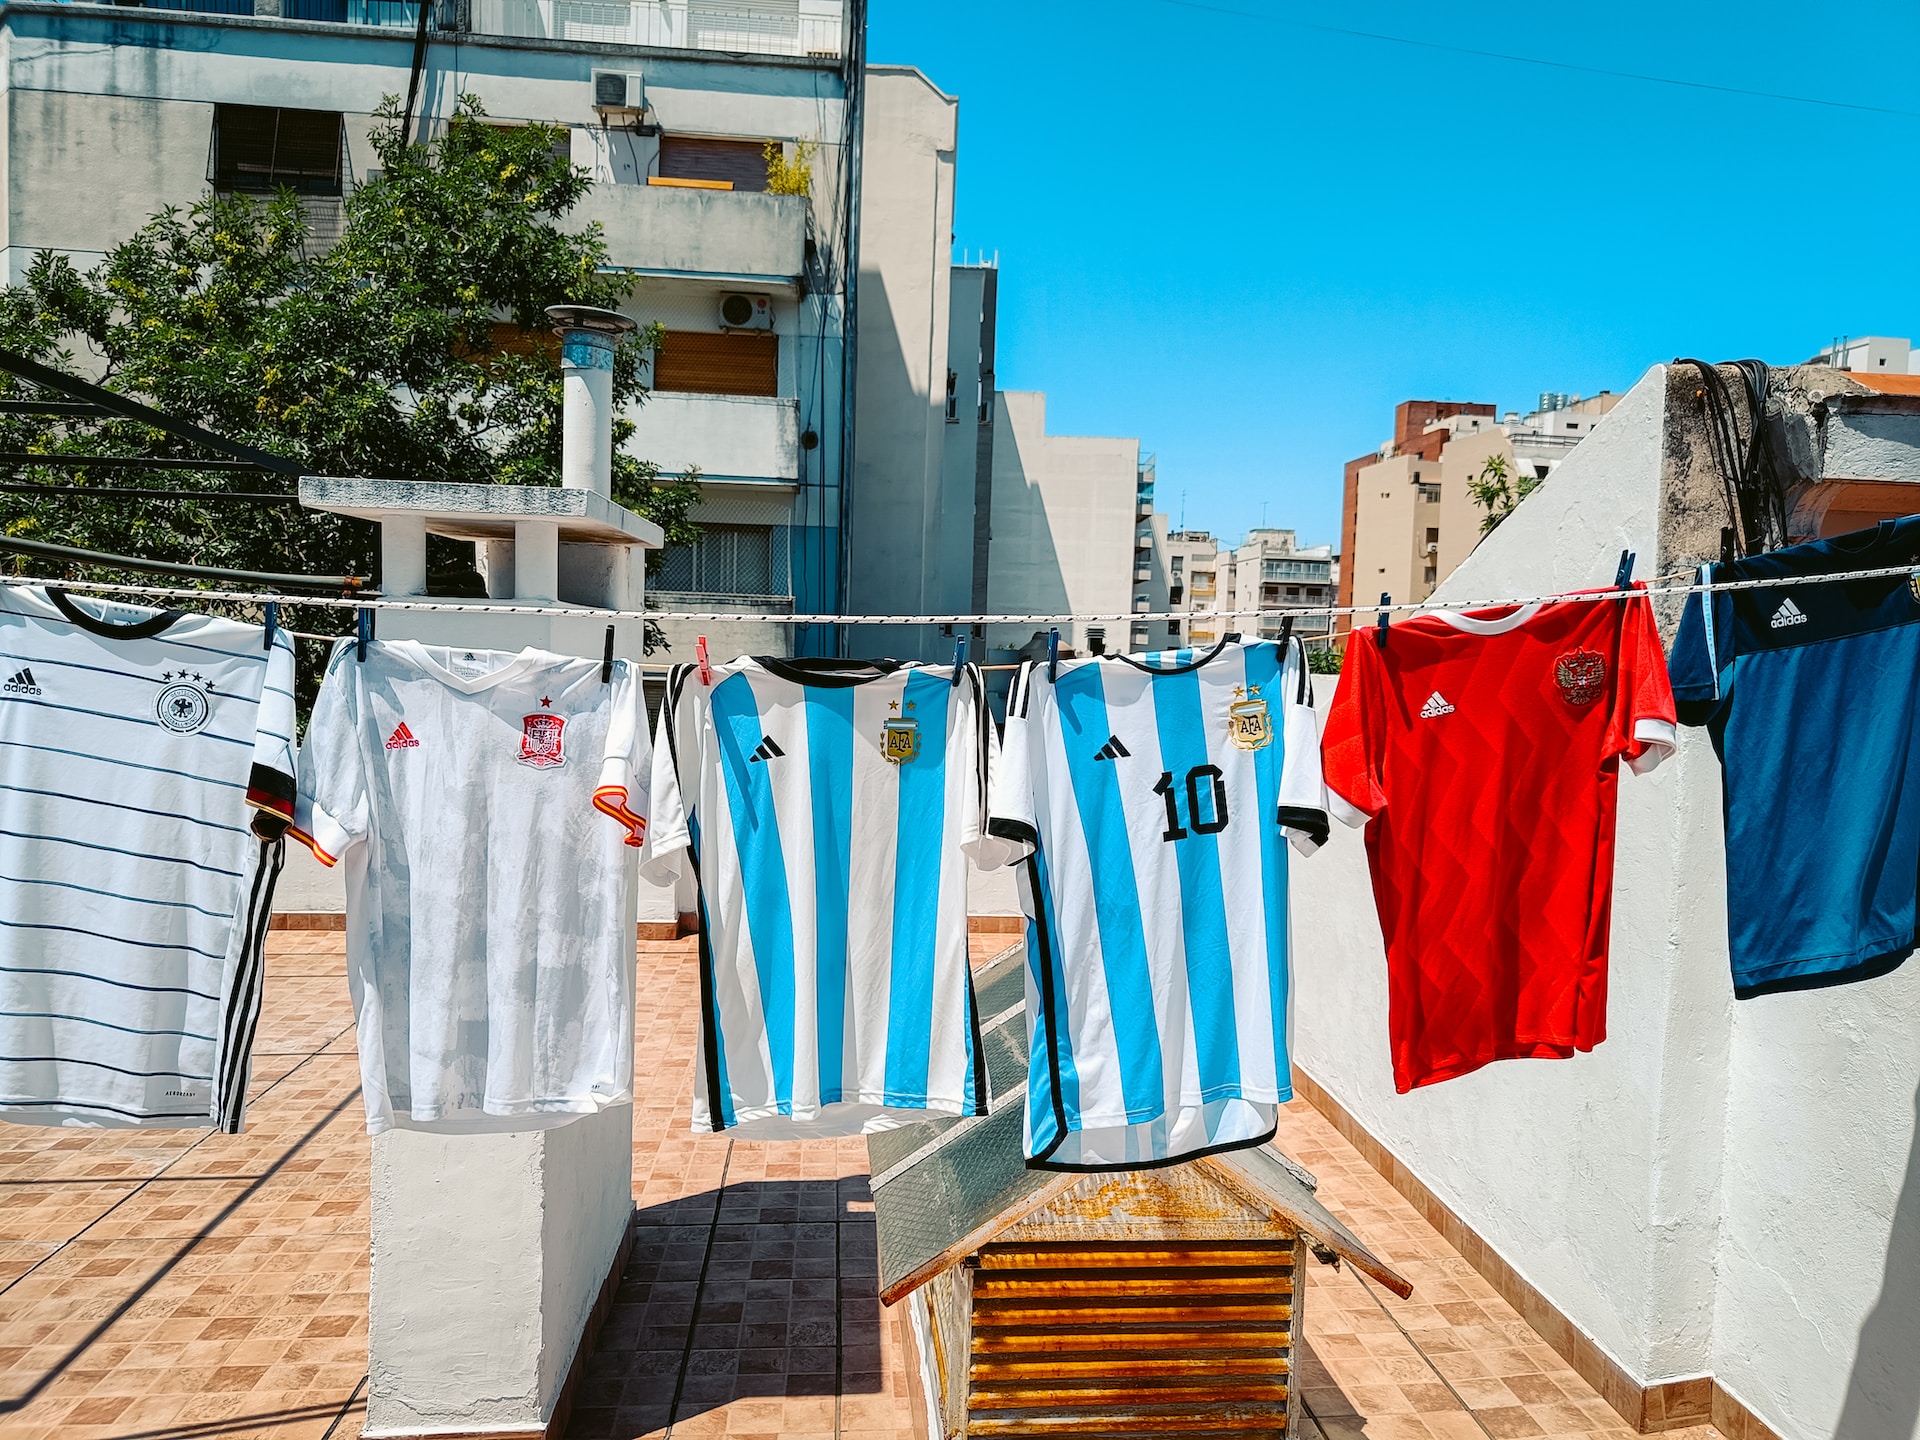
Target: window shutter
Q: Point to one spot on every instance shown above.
(701, 362)
(744, 162)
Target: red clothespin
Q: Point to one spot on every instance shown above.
(700, 651)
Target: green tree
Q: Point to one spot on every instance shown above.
(1497, 491)
(413, 348)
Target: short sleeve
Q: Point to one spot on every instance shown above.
(1303, 795)
(1702, 653)
(1352, 745)
(272, 784)
(330, 810)
(1010, 817)
(1647, 728)
(675, 744)
(625, 781)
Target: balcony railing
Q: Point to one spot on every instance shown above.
(751, 27)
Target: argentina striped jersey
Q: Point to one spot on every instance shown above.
(146, 777)
(1152, 798)
(824, 810)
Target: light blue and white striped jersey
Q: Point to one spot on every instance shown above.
(825, 810)
(146, 777)
(1152, 798)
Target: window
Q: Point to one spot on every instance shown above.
(1178, 562)
(259, 147)
(736, 164)
(953, 399)
(1433, 535)
(729, 560)
(1430, 493)
(724, 362)
(1173, 629)
(1540, 472)
(1293, 592)
(1097, 639)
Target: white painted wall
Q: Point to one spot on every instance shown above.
(727, 436)
(1718, 1188)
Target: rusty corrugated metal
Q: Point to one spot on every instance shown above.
(1132, 1338)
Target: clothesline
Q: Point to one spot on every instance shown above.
(581, 612)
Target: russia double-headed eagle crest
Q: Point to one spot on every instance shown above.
(1581, 676)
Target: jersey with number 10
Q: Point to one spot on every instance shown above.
(1154, 798)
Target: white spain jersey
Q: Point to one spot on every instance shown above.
(146, 776)
(1153, 797)
(490, 935)
(825, 810)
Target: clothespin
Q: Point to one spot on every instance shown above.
(959, 660)
(1053, 655)
(1286, 630)
(1385, 600)
(1623, 577)
(272, 624)
(362, 632)
(700, 656)
(606, 659)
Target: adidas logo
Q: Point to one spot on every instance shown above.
(1435, 707)
(402, 738)
(22, 683)
(1788, 614)
(767, 750)
(1112, 750)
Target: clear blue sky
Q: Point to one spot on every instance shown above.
(1245, 241)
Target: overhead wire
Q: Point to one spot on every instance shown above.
(1666, 586)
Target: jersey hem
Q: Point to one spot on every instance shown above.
(1866, 962)
(1041, 1162)
(912, 1111)
(1519, 1050)
(546, 1115)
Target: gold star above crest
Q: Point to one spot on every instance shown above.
(893, 704)
(1239, 692)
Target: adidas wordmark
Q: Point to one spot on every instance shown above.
(1788, 614)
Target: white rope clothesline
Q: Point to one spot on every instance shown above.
(578, 612)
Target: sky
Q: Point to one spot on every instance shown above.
(1245, 240)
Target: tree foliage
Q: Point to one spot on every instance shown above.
(1497, 490)
(414, 347)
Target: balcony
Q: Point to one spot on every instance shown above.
(743, 236)
(729, 437)
(810, 28)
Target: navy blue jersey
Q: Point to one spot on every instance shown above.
(1812, 696)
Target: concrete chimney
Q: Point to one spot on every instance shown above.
(587, 339)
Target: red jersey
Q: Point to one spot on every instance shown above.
(1484, 747)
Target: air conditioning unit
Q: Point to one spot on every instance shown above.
(746, 312)
(618, 90)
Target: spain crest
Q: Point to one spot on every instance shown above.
(1581, 676)
(1248, 724)
(540, 744)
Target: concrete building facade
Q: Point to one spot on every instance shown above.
(1272, 576)
(154, 107)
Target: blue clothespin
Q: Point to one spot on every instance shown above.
(606, 659)
(1053, 655)
(362, 632)
(273, 624)
(1623, 577)
(959, 660)
(1385, 600)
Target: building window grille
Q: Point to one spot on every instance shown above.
(1430, 493)
(263, 148)
(729, 560)
(739, 164)
(718, 362)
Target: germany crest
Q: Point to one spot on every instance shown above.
(540, 744)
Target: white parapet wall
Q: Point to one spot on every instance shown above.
(1720, 1188)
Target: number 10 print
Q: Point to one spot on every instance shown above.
(1167, 789)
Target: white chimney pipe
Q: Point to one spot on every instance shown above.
(587, 339)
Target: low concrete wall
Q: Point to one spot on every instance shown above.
(746, 436)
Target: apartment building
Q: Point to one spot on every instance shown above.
(1544, 438)
(1271, 578)
(113, 112)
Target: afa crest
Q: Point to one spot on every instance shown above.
(1581, 676)
(540, 741)
(1248, 724)
(900, 739)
